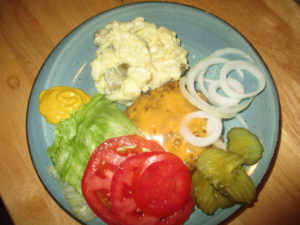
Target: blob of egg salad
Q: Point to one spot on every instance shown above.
(134, 57)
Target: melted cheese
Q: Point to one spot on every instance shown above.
(159, 113)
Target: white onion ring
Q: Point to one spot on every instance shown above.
(200, 69)
(239, 64)
(214, 129)
(193, 98)
(223, 106)
(226, 51)
(218, 99)
(201, 104)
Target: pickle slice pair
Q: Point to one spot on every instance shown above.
(220, 179)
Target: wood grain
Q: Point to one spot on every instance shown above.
(30, 29)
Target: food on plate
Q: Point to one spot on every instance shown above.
(243, 190)
(246, 144)
(162, 185)
(207, 198)
(158, 115)
(78, 136)
(135, 56)
(219, 166)
(221, 180)
(150, 164)
(214, 129)
(103, 163)
(227, 79)
(132, 180)
(125, 184)
(57, 103)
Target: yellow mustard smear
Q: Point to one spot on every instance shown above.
(56, 103)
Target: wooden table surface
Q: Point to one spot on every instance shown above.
(30, 29)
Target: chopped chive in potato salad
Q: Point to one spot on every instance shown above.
(168, 152)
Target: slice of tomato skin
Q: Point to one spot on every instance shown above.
(124, 205)
(162, 185)
(104, 161)
(180, 216)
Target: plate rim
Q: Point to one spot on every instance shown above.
(277, 130)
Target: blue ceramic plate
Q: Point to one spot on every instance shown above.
(200, 32)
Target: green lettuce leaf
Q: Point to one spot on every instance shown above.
(77, 137)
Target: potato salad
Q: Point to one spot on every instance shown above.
(134, 57)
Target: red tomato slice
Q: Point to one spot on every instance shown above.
(124, 205)
(179, 217)
(162, 185)
(96, 181)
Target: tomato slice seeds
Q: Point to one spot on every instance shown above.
(162, 185)
(96, 180)
(130, 180)
(123, 203)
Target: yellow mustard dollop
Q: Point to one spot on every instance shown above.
(56, 103)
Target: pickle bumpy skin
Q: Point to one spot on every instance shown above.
(246, 144)
(218, 166)
(220, 180)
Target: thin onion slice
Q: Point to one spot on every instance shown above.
(199, 71)
(196, 74)
(221, 106)
(218, 99)
(214, 129)
(239, 64)
(201, 104)
(227, 51)
(220, 112)
(234, 51)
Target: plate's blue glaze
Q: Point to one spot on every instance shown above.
(200, 32)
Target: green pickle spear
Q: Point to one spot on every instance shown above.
(246, 144)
